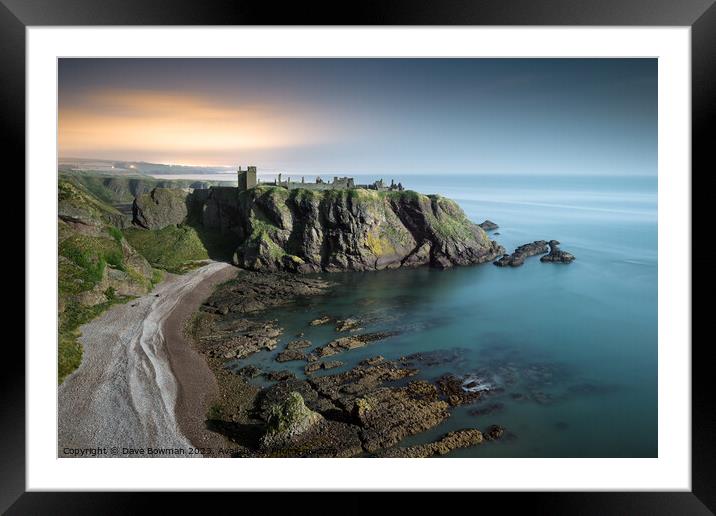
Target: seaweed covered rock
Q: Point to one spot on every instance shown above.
(388, 415)
(450, 441)
(288, 420)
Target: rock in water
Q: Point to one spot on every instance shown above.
(556, 255)
(524, 251)
(488, 225)
(290, 354)
(316, 366)
(298, 344)
(320, 321)
(347, 324)
(288, 420)
(450, 441)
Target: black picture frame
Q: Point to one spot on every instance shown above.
(700, 15)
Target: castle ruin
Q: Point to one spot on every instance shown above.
(248, 179)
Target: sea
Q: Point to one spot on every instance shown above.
(566, 355)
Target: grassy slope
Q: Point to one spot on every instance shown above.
(173, 248)
(84, 253)
(116, 189)
(84, 256)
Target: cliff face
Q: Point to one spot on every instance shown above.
(336, 230)
(161, 207)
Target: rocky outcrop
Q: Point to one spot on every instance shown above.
(288, 420)
(450, 441)
(388, 415)
(334, 230)
(521, 253)
(317, 366)
(556, 255)
(298, 344)
(342, 344)
(349, 324)
(96, 264)
(160, 208)
(252, 292)
(290, 355)
(77, 206)
(455, 390)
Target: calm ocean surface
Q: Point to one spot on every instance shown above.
(571, 349)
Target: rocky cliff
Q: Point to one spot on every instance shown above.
(310, 231)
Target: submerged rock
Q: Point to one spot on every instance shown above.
(453, 389)
(320, 321)
(433, 358)
(494, 432)
(477, 384)
(556, 255)
(488, 409)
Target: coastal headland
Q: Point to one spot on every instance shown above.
(271, 228)
(153, 369)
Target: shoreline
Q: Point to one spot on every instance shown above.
(122, 397)
(197, 385)
(366, 410)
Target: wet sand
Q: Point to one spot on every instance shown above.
(197, 384)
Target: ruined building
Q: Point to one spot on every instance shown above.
(248, 179)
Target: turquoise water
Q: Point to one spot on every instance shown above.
(570, 349)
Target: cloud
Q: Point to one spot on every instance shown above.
(182, 125)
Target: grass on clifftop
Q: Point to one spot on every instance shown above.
(76, 201)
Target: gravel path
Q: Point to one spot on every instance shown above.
(123, 395)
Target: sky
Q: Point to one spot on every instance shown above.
(365, 116)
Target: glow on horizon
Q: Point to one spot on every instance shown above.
(173, 128)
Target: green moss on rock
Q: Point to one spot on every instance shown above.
(288, 420)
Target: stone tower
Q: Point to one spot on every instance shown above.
(247, 178)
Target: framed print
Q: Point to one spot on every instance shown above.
(452, 241)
